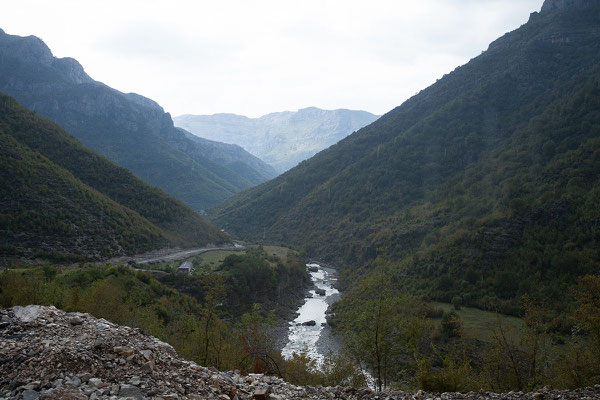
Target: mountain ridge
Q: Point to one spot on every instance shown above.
(128, 128)
(282, 139)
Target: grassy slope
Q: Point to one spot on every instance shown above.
(478, 324)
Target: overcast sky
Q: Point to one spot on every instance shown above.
(252, 57)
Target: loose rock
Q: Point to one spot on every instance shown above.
(51, 358)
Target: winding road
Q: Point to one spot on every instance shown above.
(173, 255)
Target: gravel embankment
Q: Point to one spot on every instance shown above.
(46, 353)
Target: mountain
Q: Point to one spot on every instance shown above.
(233, 157)
(485, 185)
(62, 201)
(129, 129)
(281, 139)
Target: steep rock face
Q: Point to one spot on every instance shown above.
(282, 139)
(131, 130)
(556, 5)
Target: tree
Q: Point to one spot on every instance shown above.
(256, 341)
(379, 328)
(588, 311)
(214, 297)
(580, 364)
(451, 324)
(517, 360)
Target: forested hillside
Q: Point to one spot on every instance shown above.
(62, 201)
(483, 186)
(129, 129)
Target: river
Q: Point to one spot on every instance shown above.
(316, 340)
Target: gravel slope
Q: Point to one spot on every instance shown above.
(46, 353)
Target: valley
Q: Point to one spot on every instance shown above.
(449, 248)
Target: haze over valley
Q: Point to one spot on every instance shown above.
(281, 139)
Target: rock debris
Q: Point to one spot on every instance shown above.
(46, 353)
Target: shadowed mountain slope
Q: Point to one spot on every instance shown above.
(129, 129)
(61, 200)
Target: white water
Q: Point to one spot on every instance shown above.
(304, 338)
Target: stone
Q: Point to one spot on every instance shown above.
(32, 386)
(309, 323)
(261, 394)
(74, 381)
(148, 366)
(102, 326)
(135, 381)
(97, 383)
(76, 320)
(147, 354)
(30, 395)
(27, 314)
(85, 377)
(69, 393)
(131, 391)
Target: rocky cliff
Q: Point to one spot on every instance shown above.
(46, 353)
(556, 5)
(129, 129)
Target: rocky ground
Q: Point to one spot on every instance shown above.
(46, 353)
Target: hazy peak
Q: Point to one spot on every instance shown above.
(33, 50)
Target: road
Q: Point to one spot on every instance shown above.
(180, 255)
(171, 254)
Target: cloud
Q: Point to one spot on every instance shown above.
(158, 43)
(260, 56)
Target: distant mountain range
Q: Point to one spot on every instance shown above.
(281, 139)
(129, 129)
(484, 186)
(61, 201)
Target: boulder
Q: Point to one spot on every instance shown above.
(30, 395)
(131, 391)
